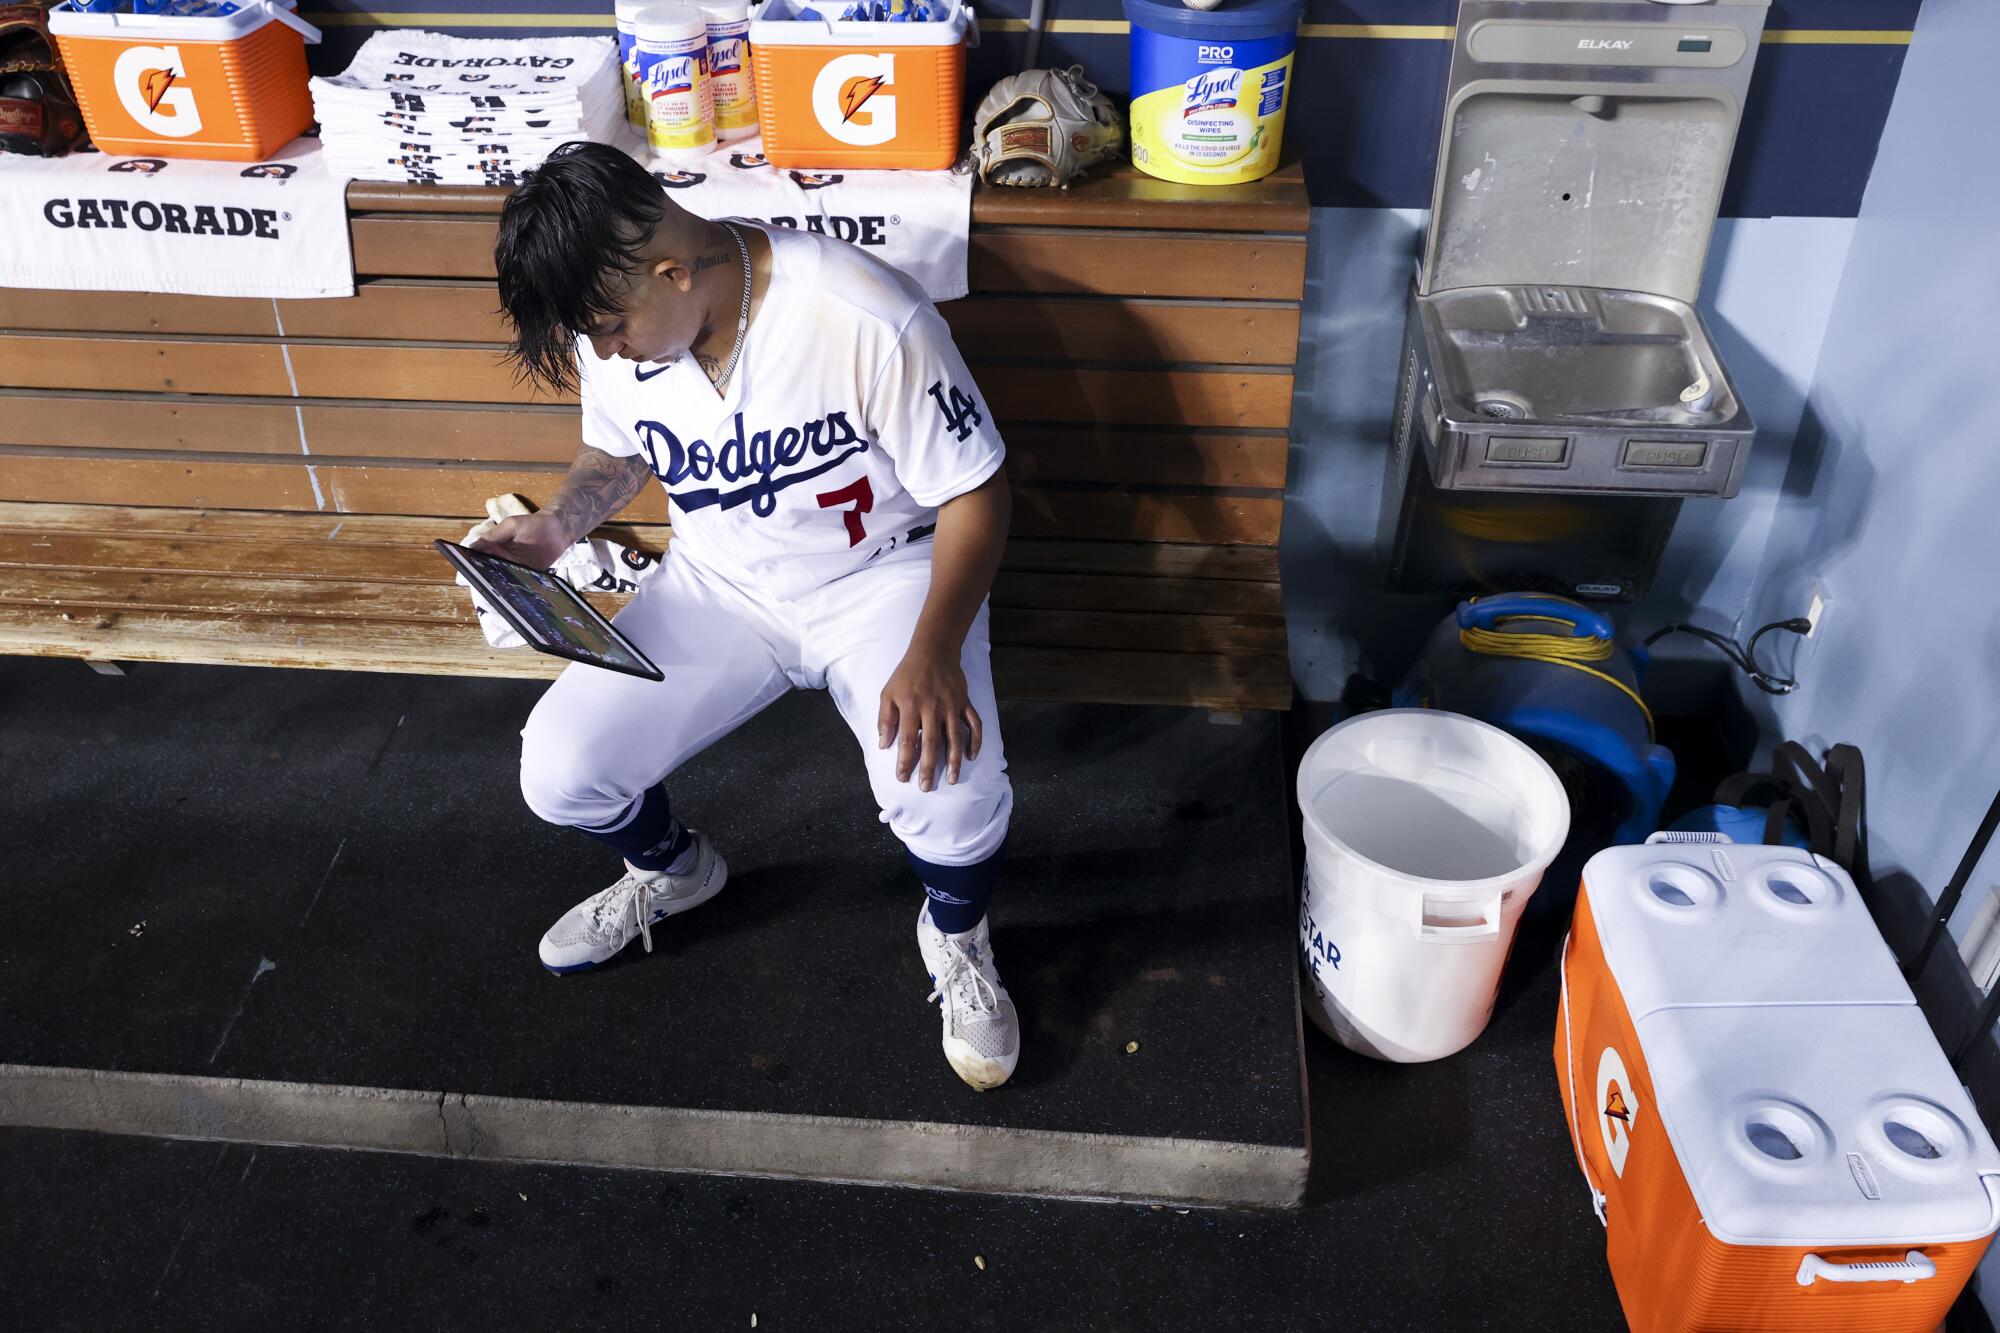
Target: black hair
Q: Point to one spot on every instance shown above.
(577, 224)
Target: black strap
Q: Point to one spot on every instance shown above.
(1830, 801)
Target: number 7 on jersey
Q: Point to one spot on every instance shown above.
(862, 496)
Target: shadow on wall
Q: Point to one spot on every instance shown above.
(1341, 618)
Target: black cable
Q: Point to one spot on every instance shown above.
(1744, 659)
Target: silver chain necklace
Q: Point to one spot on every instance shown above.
(743, 318)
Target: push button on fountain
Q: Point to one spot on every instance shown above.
(1526, 449)
(1665, 453)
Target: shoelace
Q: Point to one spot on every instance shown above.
(632, 894)
(968, 985)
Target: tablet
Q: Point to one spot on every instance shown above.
(546, 612)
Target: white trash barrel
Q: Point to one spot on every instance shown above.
(1426, 834)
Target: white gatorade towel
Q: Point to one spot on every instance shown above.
(916, 221)
(152, 224)
(443, 110)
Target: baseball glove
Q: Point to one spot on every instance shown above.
(38, 114)
(1044, 127)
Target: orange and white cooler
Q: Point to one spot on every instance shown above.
(1772, 1136)
(165, 85)
(859, 94)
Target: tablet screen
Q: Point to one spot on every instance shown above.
(548, 613)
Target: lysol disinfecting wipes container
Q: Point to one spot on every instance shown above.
(673, 77)
(729, 68)
(625, 15)
(1209, 87)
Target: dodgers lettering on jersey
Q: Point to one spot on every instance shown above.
(849, 419)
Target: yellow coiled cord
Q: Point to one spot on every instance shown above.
(1556, 649)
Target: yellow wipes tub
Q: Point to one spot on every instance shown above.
(1209, 87)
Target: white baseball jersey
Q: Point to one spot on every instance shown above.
(850, 417)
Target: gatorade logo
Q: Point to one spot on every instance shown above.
(150, 88)
(1618, 1108)
(849, 102)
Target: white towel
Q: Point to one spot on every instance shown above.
(424, 106)
(154, 224)
(917, 221)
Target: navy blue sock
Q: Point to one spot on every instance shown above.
(958, 894)
(648, 837)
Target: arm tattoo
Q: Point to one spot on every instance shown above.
(598, 486)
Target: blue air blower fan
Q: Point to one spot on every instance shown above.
(1552, 672)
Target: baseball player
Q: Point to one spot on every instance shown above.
(839, 511)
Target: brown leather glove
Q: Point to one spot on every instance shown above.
(38, 113)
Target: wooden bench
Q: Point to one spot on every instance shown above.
(256, 482)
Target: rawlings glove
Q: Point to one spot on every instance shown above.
(1044, 127)
(38, 114)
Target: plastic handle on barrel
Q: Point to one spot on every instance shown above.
(1488, 612)
(1486, 928)
(1914, 1268)
(291, 20)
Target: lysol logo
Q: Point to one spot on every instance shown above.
(148, 80)
(1604, 44)
(1211, 92)
(849, 102)
(725, 57)
(671, 76)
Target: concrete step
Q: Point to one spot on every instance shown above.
(302, 907)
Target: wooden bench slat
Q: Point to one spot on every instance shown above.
(197, 482)
(408, 311)
(1001, 260)
(35, 564)
(1246, 564)
(365, 602)
(1117, 196)
(1187, 679)
(1255, 398)
(1218, 333)
(1139, 455)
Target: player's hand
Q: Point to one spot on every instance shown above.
(532, 539)
(927, 714)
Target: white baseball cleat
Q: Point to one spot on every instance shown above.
(982, 1032)
(602, 924)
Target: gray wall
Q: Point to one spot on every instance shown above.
(1769, 287)
(1889, 498)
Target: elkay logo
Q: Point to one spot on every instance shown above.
(1605, 44)
(148, 80)
(848, 100)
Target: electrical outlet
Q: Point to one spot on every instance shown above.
(1817, 608)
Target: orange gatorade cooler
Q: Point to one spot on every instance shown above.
(231, 87)
(1771, 1135)
(861, 93)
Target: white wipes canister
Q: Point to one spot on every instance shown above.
(625, 15)
(729, 68)
(673, 78)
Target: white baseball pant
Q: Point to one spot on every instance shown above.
(598, 739)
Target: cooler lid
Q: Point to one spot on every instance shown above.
(1586, 144)
(1726, 924)
(1807, 1125)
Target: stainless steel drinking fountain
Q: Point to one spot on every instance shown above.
(1552, 348)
